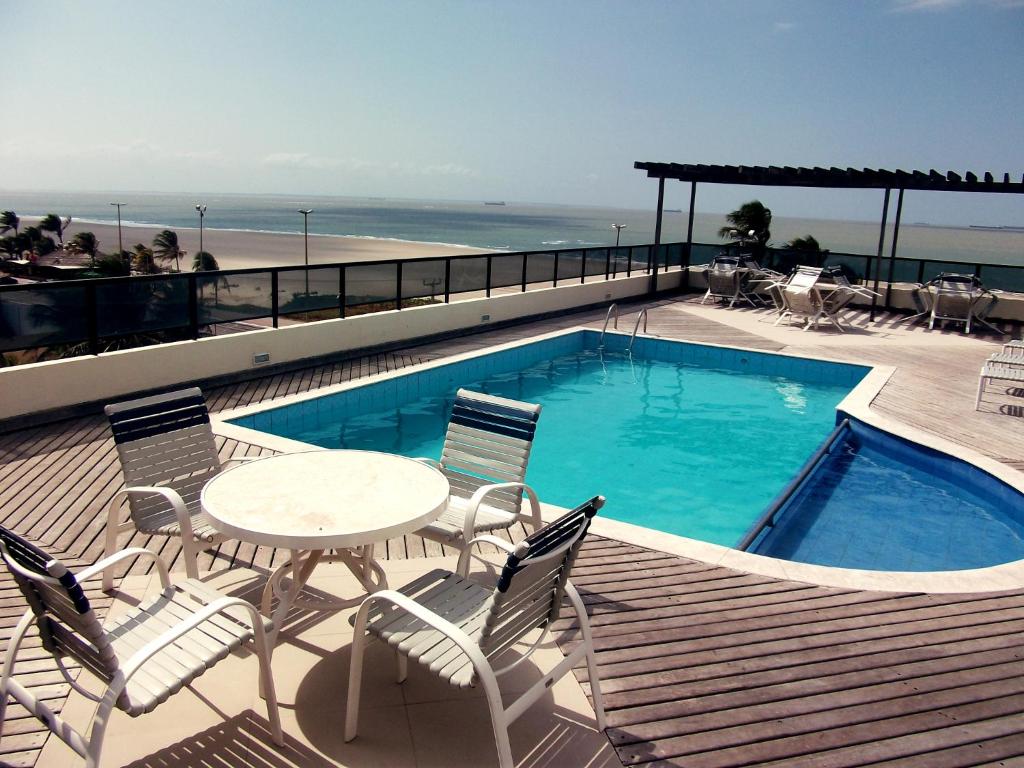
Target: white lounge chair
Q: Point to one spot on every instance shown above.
(458, 628)
(167, 454)
(996, 371)
(143, 657)
(485, 454)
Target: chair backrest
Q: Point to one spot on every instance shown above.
(65, 619)
(804, 278)
(489, 440)
(164, 440)
(724, 263)
(952, 283)
(532, 582)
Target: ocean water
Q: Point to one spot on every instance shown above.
(511, 226)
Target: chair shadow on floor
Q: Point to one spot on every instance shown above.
(243, 740)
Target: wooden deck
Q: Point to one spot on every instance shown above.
(703, 665)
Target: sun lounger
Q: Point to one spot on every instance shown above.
(993, 371)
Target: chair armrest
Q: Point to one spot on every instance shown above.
(141, 656)
(239, 459)
(428, 617)
(467, 551)
(483, 491)
(173, 498)
(98, 568)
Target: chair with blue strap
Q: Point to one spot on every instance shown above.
(167, 454)
(143, 657)
(485, 454)
(469, 634)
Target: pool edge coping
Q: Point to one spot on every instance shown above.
(857, 404)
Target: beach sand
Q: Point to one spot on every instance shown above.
(237, 250)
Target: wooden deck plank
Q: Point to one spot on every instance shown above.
(700, 664)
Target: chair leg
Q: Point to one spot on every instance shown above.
(981, 389)
(588, 643)
(499, 721)
(403, 667)
(269, 690)
(355, 679)
(110, 543)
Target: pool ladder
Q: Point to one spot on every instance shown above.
(636, 326)
(608, 315)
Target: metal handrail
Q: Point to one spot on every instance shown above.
(767, 517)
(632, 338)
(613, 308)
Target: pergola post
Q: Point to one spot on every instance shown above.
(892, 252)
(657, 236)
(689, 235)
(881, 247)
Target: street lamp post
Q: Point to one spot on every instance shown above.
(618, 230)
(201, 209)
(305, 241)
(120, 247)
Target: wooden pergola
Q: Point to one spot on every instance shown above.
(827, 178)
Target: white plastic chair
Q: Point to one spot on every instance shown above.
(458, 628)
(485, 455)
(143, 657)
(167, 455)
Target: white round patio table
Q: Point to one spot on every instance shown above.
(312, 501)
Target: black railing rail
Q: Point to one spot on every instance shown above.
(73, 312)
(179, 305)
(767, 517)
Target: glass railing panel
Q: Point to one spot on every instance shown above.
(142, 304)
(1003, 278)
(597, 262)
(570, 266)
(308, 290)
(507, 270)
(620, 260)
(540, 268)
(469, 275)
(49, 315)
(422, 282)
(233, 297)
(673, 255)
(640, 256)
(855, 267)
(371, 287)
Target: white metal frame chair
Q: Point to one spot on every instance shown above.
(457, 628)
(143, 657)
(956, 298)
(167, 454)
(485, 455)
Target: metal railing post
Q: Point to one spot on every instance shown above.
(488, 278)
(448, 280)
(273, 297)
(342, 290)
(92, 319)
(583, 266)
(398, 285)
(193, 304)
(554, 273)
(607, 263)
(525, 257)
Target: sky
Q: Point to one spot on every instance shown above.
(519, 101)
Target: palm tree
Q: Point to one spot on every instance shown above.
(52, 223)
(165, 248)
(204, 262)
(9, 220)
(86, 242)
(805, 243)
(142, 260)
(751, 222)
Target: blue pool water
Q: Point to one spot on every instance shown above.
(681, 438)
(878, 502)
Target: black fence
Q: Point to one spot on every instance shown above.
(93, 315)
(88, 316)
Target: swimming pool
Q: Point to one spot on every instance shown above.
(876, 501)
(684, 438)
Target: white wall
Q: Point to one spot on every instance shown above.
(45, 386)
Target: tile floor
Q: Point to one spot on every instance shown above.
(220, 721)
